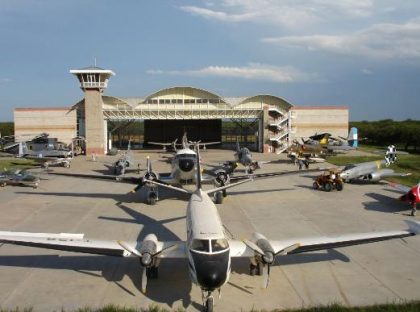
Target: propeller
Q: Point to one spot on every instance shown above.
(268, 255)
(146, 254)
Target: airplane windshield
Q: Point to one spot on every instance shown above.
(349, 167)
(201, 245)
(219, 244)
(188, 156)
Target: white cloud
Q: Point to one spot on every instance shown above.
(380, 41)
(5, 80)
(287, 13)
(255, 71)
(366, 71)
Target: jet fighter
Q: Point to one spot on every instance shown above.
(371, 171)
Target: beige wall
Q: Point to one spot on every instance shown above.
(57, 122)
(307, 121)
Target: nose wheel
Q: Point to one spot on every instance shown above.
(208, 302)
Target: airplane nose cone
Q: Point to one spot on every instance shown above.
(186, 165)
(213, 277)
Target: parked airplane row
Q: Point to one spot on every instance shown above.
(207, 249)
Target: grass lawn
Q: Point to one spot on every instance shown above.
(16, 163)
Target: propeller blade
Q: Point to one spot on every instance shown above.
(253, 246)
(139, 186)
(266, 275)
(129, 248)
(288, 249)
(144, 280)
(167, 249)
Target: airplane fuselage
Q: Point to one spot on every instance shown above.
(362, 170)
(184, 166)
(207, 247)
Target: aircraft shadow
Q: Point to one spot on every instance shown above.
(258, 191)
(385, 203)
(139, 196)
(305, 186)
(172, 285)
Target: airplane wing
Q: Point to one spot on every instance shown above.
(400, 187)
(130, 180)
(159, 143)
(273, 174)
(77, 243)
(240, 249)
(385, 173)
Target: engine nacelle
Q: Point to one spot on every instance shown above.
(373, 177)
(222, 178)
(148, 250)
(262, 242)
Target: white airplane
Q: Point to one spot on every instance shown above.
(208, 250)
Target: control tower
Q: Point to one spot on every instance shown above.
(93, 82)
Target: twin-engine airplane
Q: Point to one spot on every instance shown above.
(208, 250)
(371, 170)
(185, 144)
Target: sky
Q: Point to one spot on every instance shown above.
(364, 54)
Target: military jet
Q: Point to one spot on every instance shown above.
(332, 145)
(410, 195)
(19, 177)
(124, 162)
(208, 249)
(371, 171)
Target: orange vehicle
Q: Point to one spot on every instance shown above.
(329, 180)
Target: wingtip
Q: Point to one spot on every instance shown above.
(413, 226)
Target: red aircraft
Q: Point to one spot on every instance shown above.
(412, 195)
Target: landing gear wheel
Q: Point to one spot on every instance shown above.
(224, 193)
(315, 185)
(218, 198)
(152, 272)
(151, 198)
(253, 269)
(339, 186)
(260, 268)
(209, 304)
(328, 187)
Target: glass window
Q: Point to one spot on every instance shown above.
(219, 244)
(200, 245)
(161, 101)
(167, 101)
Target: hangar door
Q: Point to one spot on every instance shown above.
(169, 130)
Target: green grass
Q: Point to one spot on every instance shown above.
(412, 306)
(405, 163)
(16, 163)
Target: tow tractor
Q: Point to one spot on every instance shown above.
(329, 180)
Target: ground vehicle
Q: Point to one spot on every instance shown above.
(329, 180)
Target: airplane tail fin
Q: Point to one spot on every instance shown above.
(238, 147)
(129, 146)
(184, 141)
(21, 151)
(199, 177)
(148, 165)
(353, 137)
(391, 155)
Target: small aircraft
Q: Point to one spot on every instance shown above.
(334, 145)
(185, 144)
(306, 152)
(371, 171)
(208, 250)
(18, 177)
(124, 162)
(242, 156)
(411, 195)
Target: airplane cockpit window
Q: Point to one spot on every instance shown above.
(219, 244)
(349, 167)
(201, 245)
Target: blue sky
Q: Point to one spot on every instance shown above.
(360, 53)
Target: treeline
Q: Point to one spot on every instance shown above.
(405, 134)
(7, 128)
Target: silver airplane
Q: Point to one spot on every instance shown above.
(18, 177)
(242, 156)
(124, 162)
(371, 171)
(207, 248)
(185, 144)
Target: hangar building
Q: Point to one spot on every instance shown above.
(169, 112)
